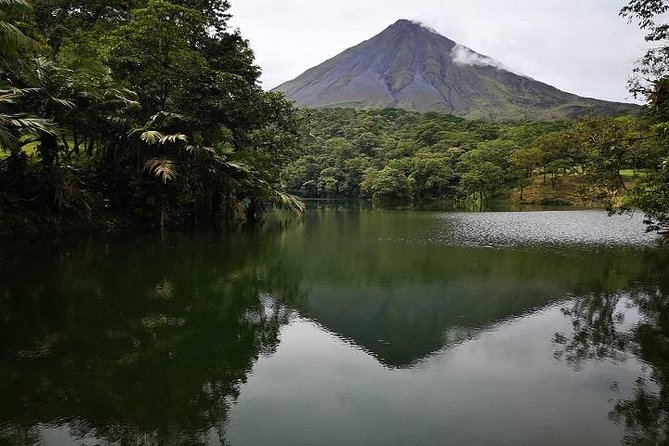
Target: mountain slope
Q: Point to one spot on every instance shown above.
(412, 67)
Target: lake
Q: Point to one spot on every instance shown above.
(350, 326)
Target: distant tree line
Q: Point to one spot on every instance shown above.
(396, 156)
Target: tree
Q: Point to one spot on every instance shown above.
(366, 143)
(652, 69)
(484, 169)
(653, 198)
(330, 182)
(651, 81)
(524, 161)
(606, 147)
(433, 177)
(387, 186)
(557, 152)
(156, 54)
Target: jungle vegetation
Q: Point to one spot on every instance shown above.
(135, 113)
(395, 156)
(150, 113)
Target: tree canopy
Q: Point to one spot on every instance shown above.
(136, 112)
(399, 156)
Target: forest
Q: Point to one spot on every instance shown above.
(150, 113)
(394, 156)
(141, 113)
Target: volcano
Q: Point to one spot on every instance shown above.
(412, 67)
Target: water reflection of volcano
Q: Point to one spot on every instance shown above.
(146, 341)
(454, 293)
(403, 325)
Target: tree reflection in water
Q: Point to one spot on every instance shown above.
(145, 341)
(600, 332)
(149, 344)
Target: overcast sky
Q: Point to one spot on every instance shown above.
(580, 46)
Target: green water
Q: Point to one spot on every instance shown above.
(348, 327)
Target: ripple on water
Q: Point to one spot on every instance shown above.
(497, 229)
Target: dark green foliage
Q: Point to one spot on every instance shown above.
(653, 197)
(389, 185)
(651, 81)
(12, 38)
(391, 155)
(394, 155)
(146, 112)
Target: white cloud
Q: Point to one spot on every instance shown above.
(424, 26)
(462, 55)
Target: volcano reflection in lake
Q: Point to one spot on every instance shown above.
(356, 327)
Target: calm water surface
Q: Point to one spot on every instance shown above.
(349, 327)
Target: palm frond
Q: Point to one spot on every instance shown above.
(14, 4)
(22, 122)
(227, 149)
(13, 126)
(195, 148)
(288, 201)
(124, 97)
(163, 118)
(13, 92)
(12, 39)
(26, 123)
(69, 195)
(161, 168)
(63, 102)
(150, 137)
(244, 176)
(238, 166)
(171, 139)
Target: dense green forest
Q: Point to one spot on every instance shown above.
(395, 156)
(140, 112)
(150, 113)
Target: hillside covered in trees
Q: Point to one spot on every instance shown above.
(395, 156)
